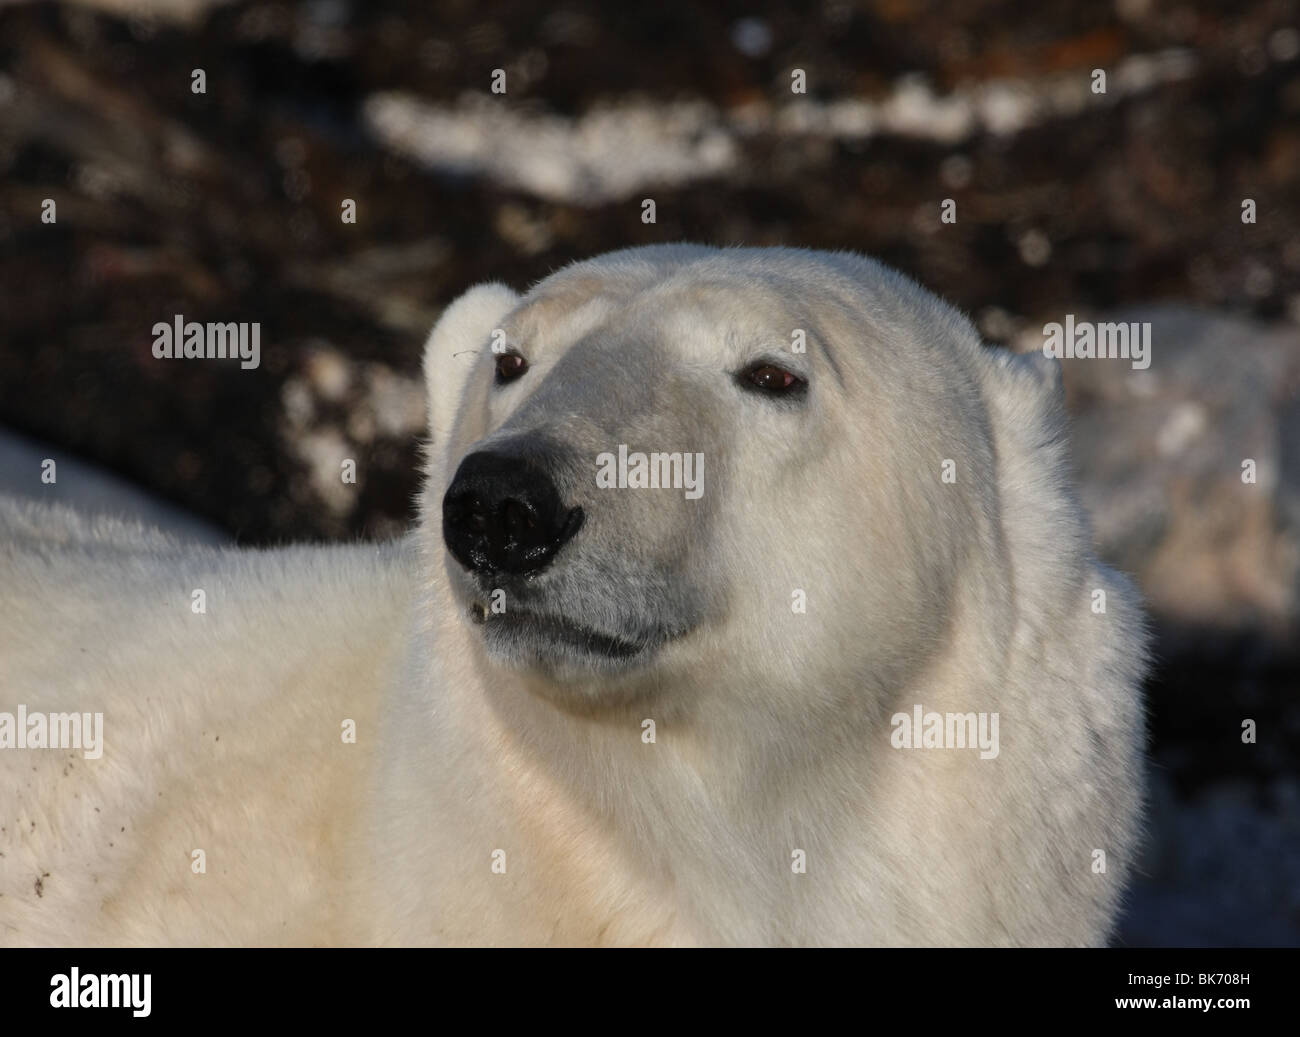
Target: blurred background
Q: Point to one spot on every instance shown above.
(226, 205)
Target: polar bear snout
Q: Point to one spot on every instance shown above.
(504, 514)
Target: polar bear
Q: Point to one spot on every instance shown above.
(714, 545)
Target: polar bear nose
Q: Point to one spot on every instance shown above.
(503, 514)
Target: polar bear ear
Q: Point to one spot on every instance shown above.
(1029, 376)
(460, 335)
(1047, 370)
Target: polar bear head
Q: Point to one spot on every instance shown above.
(672, 461)
(774, 500)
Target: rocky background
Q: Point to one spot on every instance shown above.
(225, 205)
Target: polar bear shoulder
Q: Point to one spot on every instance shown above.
(238, 693)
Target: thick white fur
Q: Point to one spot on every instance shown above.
(222, 730)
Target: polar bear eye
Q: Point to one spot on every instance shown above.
(770, 378)
(510, 366)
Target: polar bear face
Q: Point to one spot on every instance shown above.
(677, 461)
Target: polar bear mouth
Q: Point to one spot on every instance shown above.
(542, 629)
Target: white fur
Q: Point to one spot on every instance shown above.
(772, 727)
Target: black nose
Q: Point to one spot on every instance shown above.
(503, 514)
